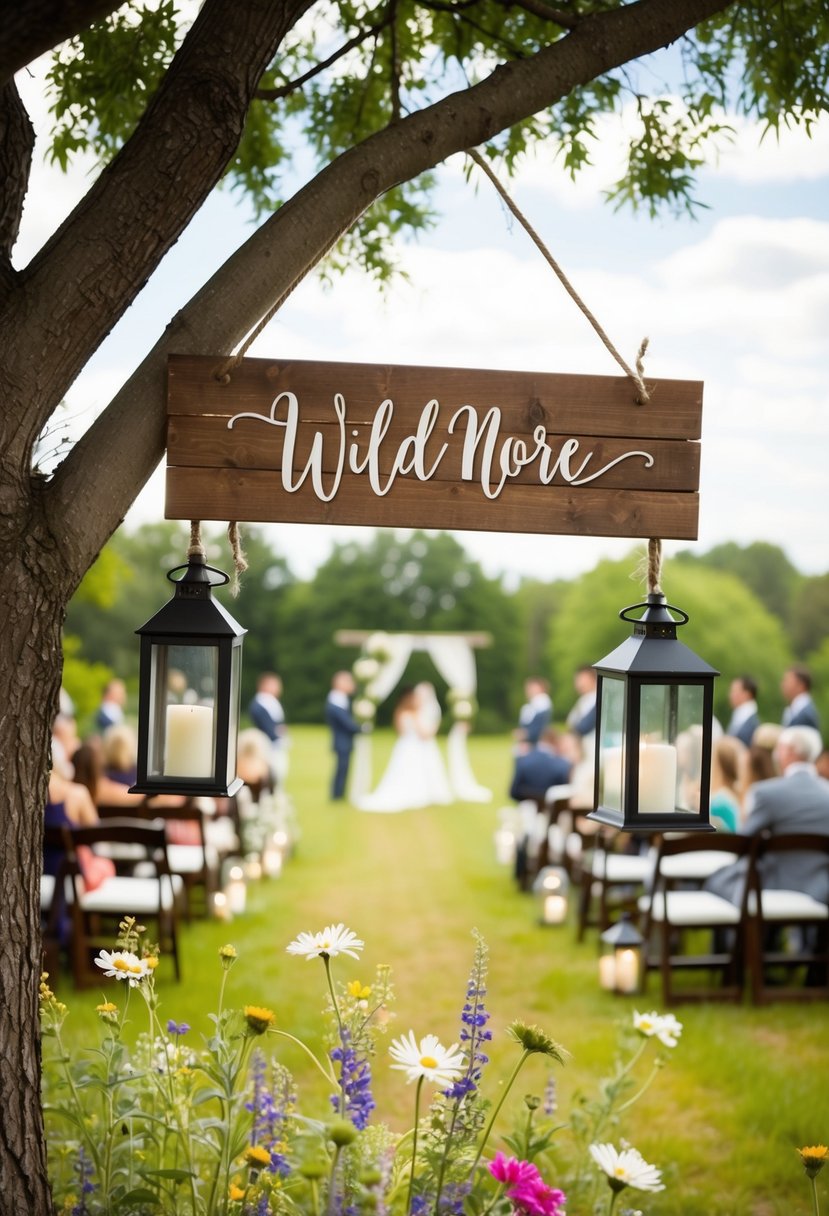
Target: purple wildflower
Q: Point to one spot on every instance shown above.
(474, 1018)
(177, 1028)
(83, 1169)
(356, 1101)
(270, 1106)
(550, 1095)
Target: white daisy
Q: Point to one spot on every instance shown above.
(428, 1059)
(334, 940)
(123, 965)
(626, 1168)
(646, 1023)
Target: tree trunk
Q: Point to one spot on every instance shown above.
(33, 596)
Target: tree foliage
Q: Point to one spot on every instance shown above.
(763, 567)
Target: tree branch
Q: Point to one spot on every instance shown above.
(127, 440)
(567, 21)
(85, 277)
(31, 27)
(284, 90)
(16, 144)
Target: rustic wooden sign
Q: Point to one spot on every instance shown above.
(432, 447)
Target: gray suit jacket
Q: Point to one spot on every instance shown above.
(798, 803)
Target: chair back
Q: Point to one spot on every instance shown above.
(148, 836)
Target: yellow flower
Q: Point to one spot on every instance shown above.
(152, 961)
(235, 1193)
(814, 1158)
(258, 1019)
(107, 1007)
(359, 991)
(256, 1155)
(228, 956)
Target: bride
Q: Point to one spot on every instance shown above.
(415, 776)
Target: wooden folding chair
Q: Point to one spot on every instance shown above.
(150, 897)
(676, 912)
(610, 881)
(790, 929)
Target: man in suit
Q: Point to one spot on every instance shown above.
(343, 728)
(536, 713)
(796, 802)
(535, 771)
(582, 717)
(111, 709)
(796, 687)
(745, 718)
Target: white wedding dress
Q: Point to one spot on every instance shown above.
(415, 776)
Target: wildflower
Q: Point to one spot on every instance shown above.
(257, 1018)
(355, 1081)
(235, 1193)
(228, 956)
(428, 1059)
(526, 1188)
(550, 1095)
(122, 965)
(333, 940)
(151, 961)
(45, 992)
(108, 1012)
(511, 1170)
(535, 1041)
(177, 1028)
(626, 1168)
(341, 1133)
(474, 1018)
(814, 1159)
(257, 1156)
(360, 992)
(664, 1027)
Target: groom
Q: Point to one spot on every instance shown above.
(343, 728)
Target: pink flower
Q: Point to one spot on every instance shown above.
(530, 1195)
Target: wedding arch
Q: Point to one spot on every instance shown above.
(384, 659)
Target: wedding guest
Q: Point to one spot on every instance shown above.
(537, 770)
(65, 742)
(798, 801)
(726, 768)
(344, 727)
(267, 715)
(111, 709)
(796, 687)
(582, 717)
(119, 753)
(745, 718)
(536, 713)
(69, 804)
(822, 764)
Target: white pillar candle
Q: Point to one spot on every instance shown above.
(188, 748)
(555, 909)
(221, 908)
(272, 860)
(236, 891)
(657, 778)
(626, 966)
(504, 847)
(607, 972)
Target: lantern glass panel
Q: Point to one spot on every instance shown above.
(233, 717)
(670, 748)
(183, 681)
(612, 742)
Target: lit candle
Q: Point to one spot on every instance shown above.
(188, 749)
(221, 909)
(237, 891)
(272, 860)
(627, 970)
(555, 909)
(657, 778)
(607, 972)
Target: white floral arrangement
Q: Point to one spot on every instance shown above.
(462, 705)
(165, 1127)
(378, 646)
(365, 669)
(364, 709)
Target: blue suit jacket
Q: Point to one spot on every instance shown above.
(343, 726)
(745, 732)
(264, 722)
(807, 715)
(536, 771)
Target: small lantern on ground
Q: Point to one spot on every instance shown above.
(654, 711)
(550, 889)
(236, 890)
(620, 962)
(188, 714)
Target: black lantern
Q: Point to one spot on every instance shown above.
(188, 713)
(654, 709)
(620, 961)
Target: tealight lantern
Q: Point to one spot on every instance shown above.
(236, 890)
(654, 710)
(188, 712)
(221, 907)
(550, 888)
(620, 963)
(505, 845)
(272, 859)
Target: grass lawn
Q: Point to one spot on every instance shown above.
(741, 1091)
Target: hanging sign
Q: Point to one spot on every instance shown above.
(432, 447)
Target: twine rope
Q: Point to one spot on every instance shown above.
(240, 561)
(636, 375)
(196, 548)
(654, 570)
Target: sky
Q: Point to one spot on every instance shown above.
(737, 298)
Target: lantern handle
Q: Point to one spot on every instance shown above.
(634, 620)
(213, 582)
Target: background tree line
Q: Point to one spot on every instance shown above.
(751, 611)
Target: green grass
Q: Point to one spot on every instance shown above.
(743, 1088)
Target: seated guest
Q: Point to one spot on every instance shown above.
(822, 764)
(70, 805)
(796, 802)
(268, 716)
(119, 754)
(757, 764)
(726, 766)
(111, 709)
(537, 770)
(742, 697)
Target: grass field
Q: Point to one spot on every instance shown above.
(743, 1088)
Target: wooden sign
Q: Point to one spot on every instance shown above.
(432, 447)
